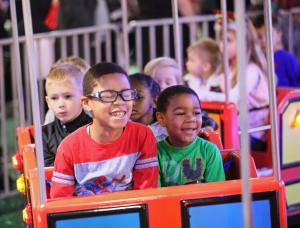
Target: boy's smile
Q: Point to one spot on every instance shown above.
(109, 118)
(182, 119)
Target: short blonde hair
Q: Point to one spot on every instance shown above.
(78, 62)
(63, 72)
(153, 65)
(209, 50)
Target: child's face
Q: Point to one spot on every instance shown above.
(109, 116)
(231, 45)
(196, 65)
(63, 98)
(142, 110)
(277, 38)
(166, 77)
(182, 119)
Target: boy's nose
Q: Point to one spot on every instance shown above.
(61, 103)
(119, 100)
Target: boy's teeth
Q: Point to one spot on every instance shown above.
(118, 114)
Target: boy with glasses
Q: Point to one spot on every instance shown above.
(112, 153)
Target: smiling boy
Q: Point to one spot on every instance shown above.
(183, 156)
(112, 153)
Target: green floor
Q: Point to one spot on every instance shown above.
(11, 212)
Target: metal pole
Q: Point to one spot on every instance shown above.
(176, 33)
(3, 130)
(35, 101)
(17, 65)
(272, 90)
(225, 51)
(243, 109)
(125, 33)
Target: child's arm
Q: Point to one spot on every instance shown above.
(145, 174)
(214, 167)
(49, 156)
(63, 179)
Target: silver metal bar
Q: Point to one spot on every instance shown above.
(14, 89)
(63, 47)
(258, 129)
(86, 48)
(177, 41)
(205, 29)
(27, 86)
(8, 194)
(17, 62)
(35, 101)
(225, 51)
(3, 125)
(152, 42)
(118, 46)
(243, 109)
(272, 90)
(125, 33)
(193, 32)
(108, 46)
(138, 48)
(166, 39)
(75, 45)
(41, 98)
(97, 47)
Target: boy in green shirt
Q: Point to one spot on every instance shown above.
(184, 157)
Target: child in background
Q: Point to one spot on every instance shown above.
(165, 71)
(183, 156)
(203, 64)
(287, 67)
(78, 62)
(112, 153)
(256, 81)
(64, 91)
(144, 107)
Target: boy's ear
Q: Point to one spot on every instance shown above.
(161, 119)
(48, 102)
(154, 102)
(85, 102)
(207, 66)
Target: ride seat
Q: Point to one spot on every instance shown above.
(225, 115)
(232, 165)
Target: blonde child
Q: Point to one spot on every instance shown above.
(183, 156)
(256, 81)
(203, 64)
(165, 71)
(112, 153)
(76, 61)
(64, 90)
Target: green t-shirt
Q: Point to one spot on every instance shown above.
(201, 161)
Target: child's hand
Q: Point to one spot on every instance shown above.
(206, 131)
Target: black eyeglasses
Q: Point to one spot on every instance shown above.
(108, 96)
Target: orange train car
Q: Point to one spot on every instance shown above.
(180, 206)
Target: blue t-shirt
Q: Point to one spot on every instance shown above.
(287, 69)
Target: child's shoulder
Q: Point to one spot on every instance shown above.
(80, 133)
(134, 128)
(203, 143)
